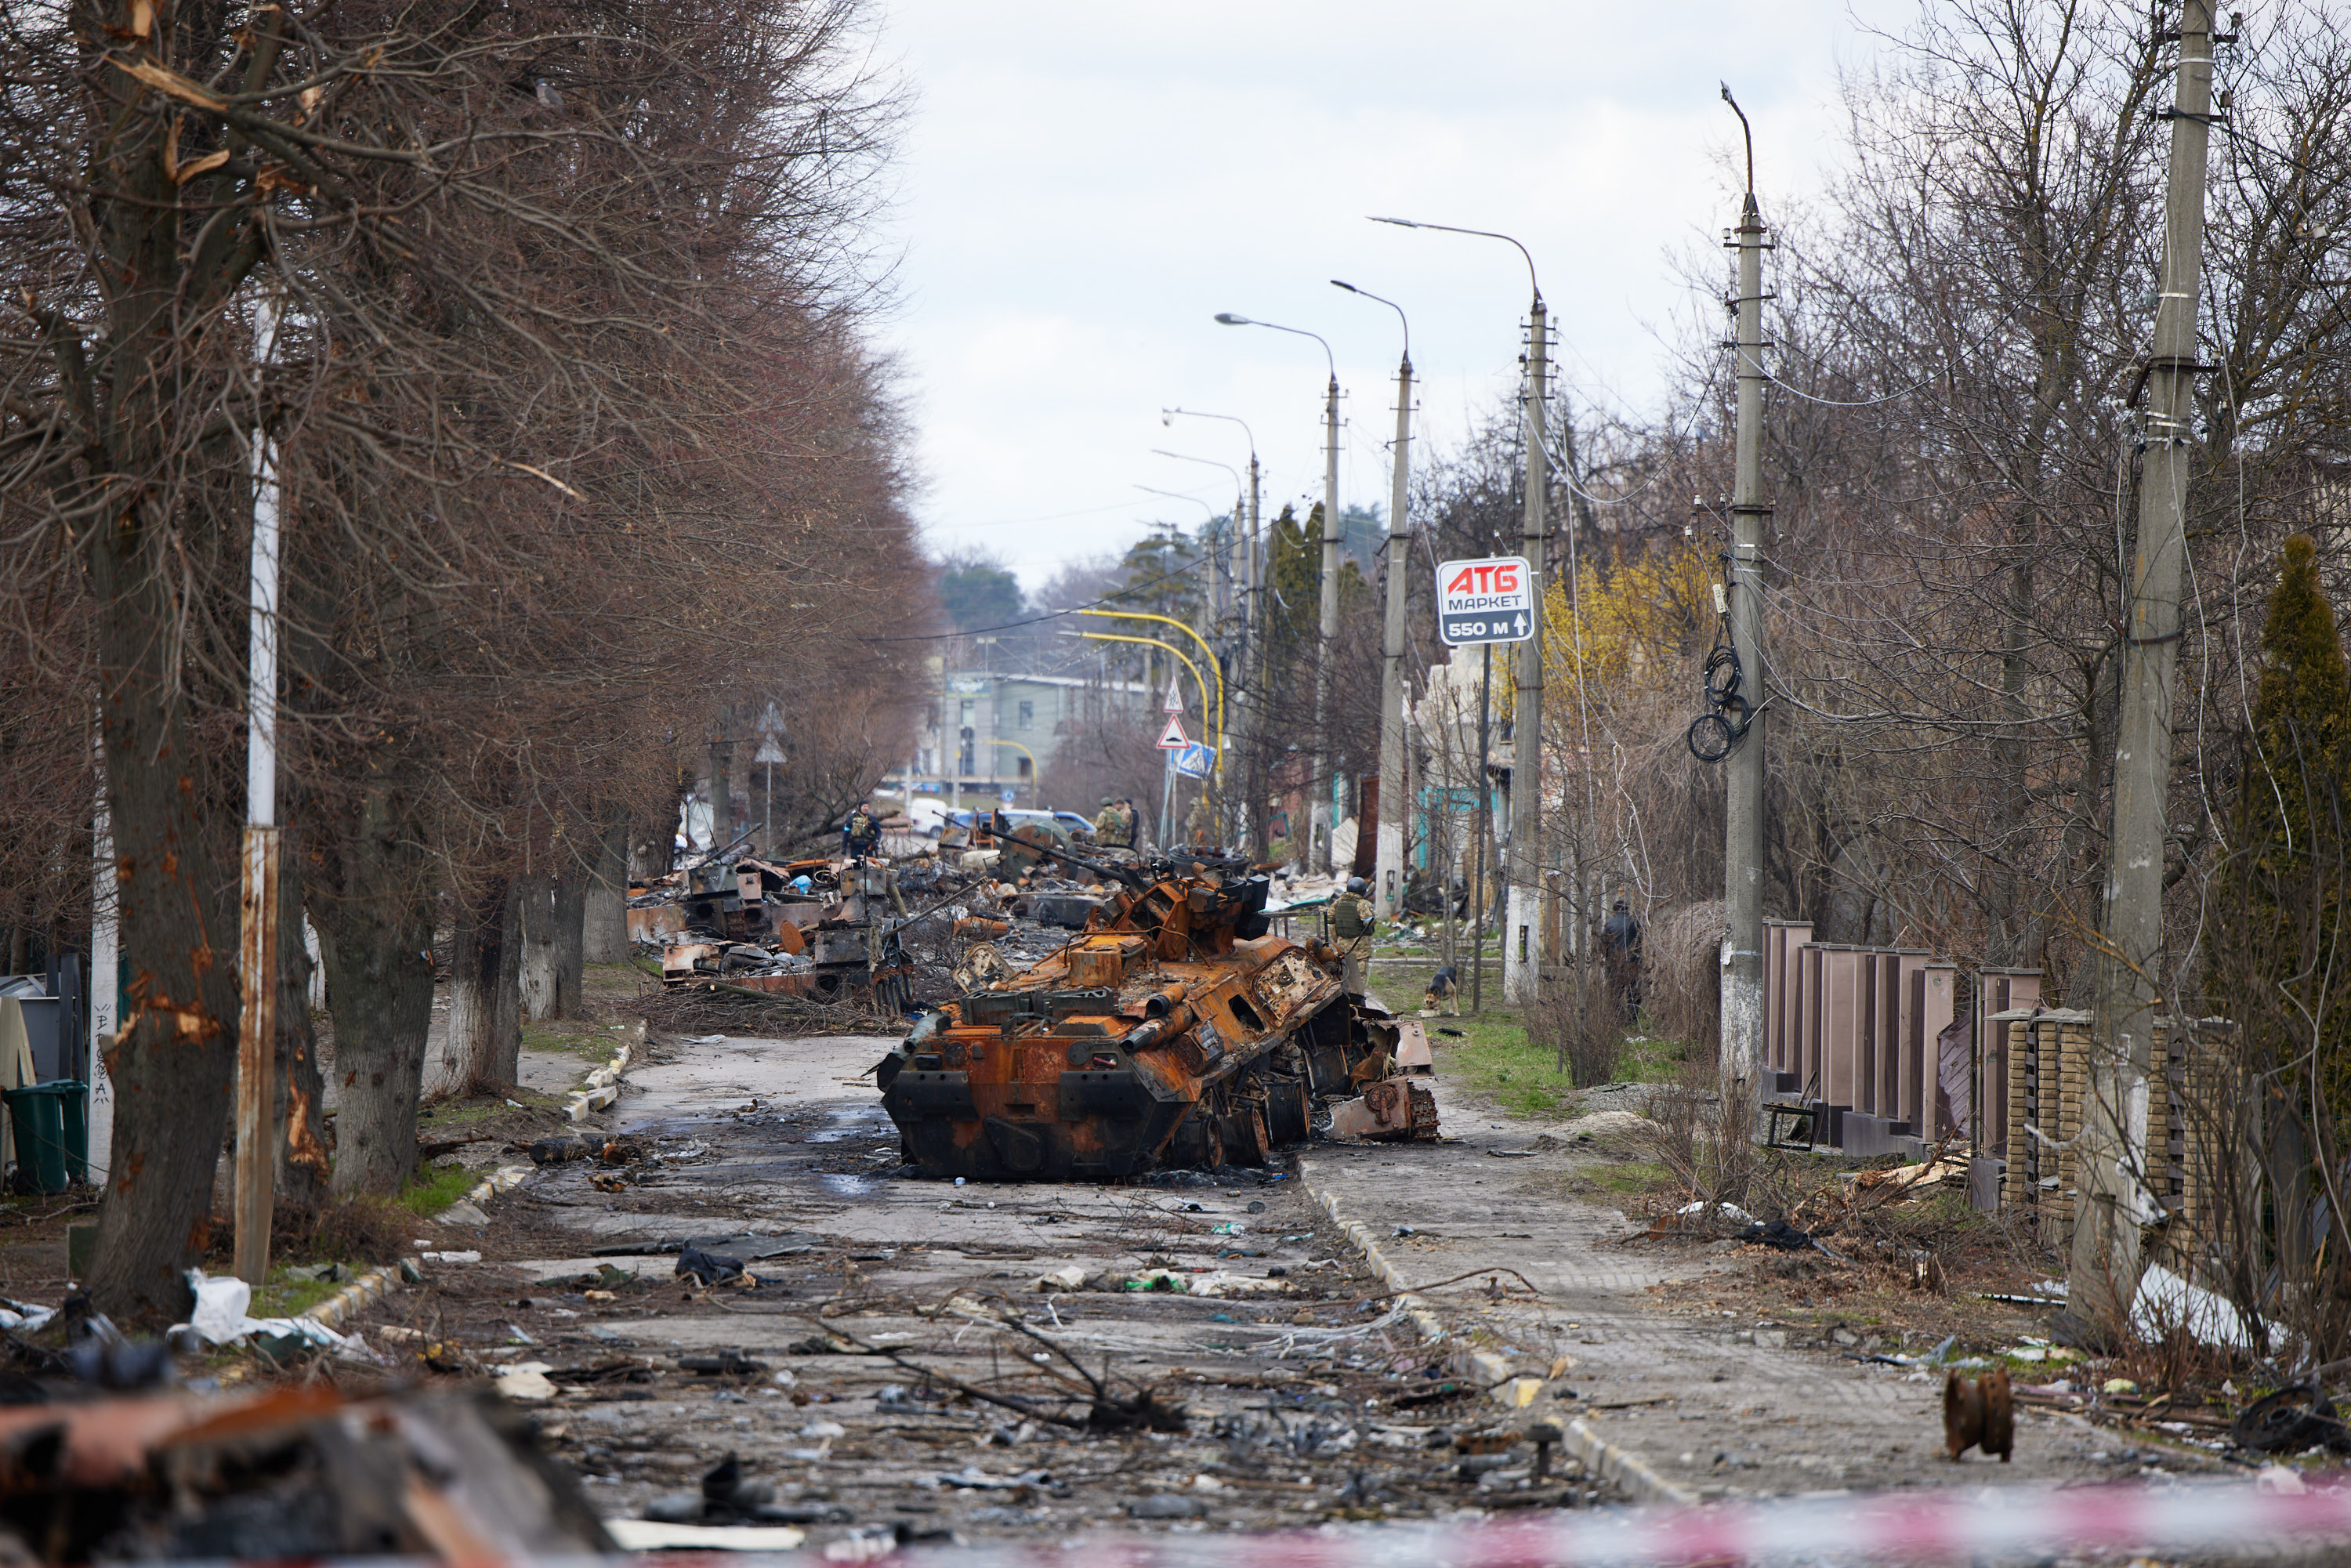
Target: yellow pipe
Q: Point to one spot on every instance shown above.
(1217, 785)
(1172, 648)
(1036, 768)
(1206, 652)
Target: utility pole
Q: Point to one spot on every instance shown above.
(1246, 669)
(1742, 1063)
(257, 1039)
(1393, 806)
(2105, 1261)
(1250, 671)
(1319, 817)
(1485, 831)
(1522, 917)
(1388, 876)
(1322, 819)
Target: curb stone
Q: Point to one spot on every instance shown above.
(1602, 1458)
(604, 1084)
(377, 1283)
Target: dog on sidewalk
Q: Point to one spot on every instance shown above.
(1443, 992)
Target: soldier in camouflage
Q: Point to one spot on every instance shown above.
(1114, 829)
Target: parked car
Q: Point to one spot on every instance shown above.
(1064, 824)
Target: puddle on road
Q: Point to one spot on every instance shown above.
(845, 1185)
(846, 1121)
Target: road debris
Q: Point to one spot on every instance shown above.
(285, 1473)
(1174, 1030)
(1978, 1412)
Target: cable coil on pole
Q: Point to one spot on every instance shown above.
(1713, 733)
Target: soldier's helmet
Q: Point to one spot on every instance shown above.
(1355, 885)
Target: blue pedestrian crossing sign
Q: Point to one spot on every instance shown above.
(1195, 761)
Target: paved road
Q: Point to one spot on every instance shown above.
(1657, 1371)
(1306, 1403)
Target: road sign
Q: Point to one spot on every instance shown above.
(1172, 737)
(1485, 601)
(1195, 761)
(1174, 702)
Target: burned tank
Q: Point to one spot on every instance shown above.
(1174, 1029)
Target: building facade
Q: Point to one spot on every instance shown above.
(985, 737)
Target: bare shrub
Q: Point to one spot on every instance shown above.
(1682, 958)
(1713, 1163)
(1580, 1021)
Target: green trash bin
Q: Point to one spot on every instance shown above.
(52, 1126)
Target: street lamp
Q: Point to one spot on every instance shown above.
(1321, 814)
(1250, 571)
(1252, 629)
(1388, 875)
(1524, 919)
(1221, 572)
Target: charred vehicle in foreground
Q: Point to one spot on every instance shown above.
(1175, 1030)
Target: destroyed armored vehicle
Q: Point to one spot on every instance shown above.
(1175, 1030)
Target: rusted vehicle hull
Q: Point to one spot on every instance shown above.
(1175, 1030)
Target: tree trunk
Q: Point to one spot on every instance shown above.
(570, 936)
(304, 1161)
(605, 918)
(176, 878)
(485, 1046)
(166, 642)
(535, 909)
(377, 936)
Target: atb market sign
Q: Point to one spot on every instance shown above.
(1484, 601)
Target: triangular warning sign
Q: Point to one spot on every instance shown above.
(1172, 737)
(1174, 702)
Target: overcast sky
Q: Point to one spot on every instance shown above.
(1084, 185)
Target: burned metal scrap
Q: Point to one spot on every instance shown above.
(805, 928)
(1175, 1028)
(285, 1474)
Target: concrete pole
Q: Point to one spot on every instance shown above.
(2105, 1261)
(1388, 890)
(1321, 817)
(1742, 1063)
(256, 1039)
(722, 797)
(1522, 906)
(1252, 639)
(105, 973)
(1485, 808)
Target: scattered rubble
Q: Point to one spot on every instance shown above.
(1175, 1030)
(285, 1473)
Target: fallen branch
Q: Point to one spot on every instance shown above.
(1440, 1284)
(1106, 1410)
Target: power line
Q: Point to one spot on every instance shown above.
(1124, 590)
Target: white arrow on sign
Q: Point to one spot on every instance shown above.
(1174, 702)
(1488, 600)
(1172, 737)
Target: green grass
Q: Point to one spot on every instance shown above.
(1492, 1052)
(435, 1187)
(442, 1116)
(591, 1040)
(1633, 1178)
(284, 1297)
